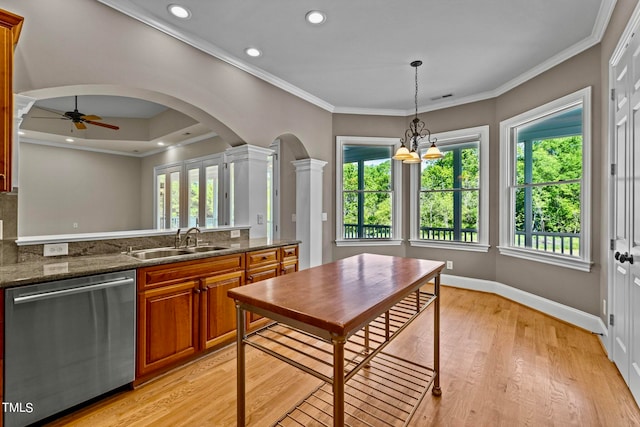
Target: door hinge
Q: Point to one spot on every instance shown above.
(614, 169)
(226, 195)
(613, 94)
(611, 319)
(612, 244)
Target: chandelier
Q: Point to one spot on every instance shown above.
(417, 131)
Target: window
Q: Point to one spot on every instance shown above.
(196, 202)
(368, 192)
(167, 206)
(449, 197)
(545, 183)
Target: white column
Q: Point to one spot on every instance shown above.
(249, 187)
(21, 106)
(309, 211)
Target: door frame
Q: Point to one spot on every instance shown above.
(623, 42)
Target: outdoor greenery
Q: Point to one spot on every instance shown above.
(555, 205)
(376, 192)
(438, 188)
(556, 166)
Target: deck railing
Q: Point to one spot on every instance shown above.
(561, 243)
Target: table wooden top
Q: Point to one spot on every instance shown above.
(342, 296)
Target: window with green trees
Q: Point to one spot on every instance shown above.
(368, 189)
(545, 183)
(449, 200)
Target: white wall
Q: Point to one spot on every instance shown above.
(60, 187)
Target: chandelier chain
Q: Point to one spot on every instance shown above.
(416, 95)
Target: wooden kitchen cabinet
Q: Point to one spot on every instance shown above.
(261, 265)
(183, 310)
(288, 259)
(218, 311)
(167, 326)
(10, 26)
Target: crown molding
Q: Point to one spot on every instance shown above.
(137, 13)
(599, 28)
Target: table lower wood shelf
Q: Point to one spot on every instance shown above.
(381, 390)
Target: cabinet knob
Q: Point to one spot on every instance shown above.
(196, 290)
(250, 278)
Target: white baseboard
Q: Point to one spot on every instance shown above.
(560, 311)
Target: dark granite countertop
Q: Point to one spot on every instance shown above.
(56, 268)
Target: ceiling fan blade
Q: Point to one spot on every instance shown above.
(49, 110)
(91, 117)
(55, 118)
(104, 125)
(80, 125)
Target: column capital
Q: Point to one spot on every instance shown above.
(308, 164)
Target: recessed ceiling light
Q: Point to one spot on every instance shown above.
(315, 17)
(21, 132)
(179, 11)
(252, 51)
(160, 143)
(69, 139)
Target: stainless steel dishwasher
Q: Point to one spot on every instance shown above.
(67, 342)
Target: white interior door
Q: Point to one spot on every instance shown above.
(620, 195)
(625, 308)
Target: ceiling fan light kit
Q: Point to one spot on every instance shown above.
(79, 119)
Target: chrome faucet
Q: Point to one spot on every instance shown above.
(186, 239)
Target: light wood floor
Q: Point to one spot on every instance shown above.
(502, 365)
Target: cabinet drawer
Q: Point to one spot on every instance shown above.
(149, 277)
(289, 252)
(260, 258)
(256, 274)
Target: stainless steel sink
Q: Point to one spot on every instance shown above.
(146, 254)
(159, 253)
(206, 248)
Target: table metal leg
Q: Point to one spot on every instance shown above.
(240, 371)
(436, 391)
(338, 381)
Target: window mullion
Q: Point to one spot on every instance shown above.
(528, 193)
(360, 199)
(457, 195)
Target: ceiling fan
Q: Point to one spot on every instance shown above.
(79, 119)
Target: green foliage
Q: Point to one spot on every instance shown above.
(438, 188)
(375, 193)
(556, 205)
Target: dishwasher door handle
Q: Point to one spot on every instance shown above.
(70, 291)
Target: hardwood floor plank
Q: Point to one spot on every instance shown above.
(502, 364)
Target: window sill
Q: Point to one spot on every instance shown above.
(458, 246)
(547, 258)
(368, 242)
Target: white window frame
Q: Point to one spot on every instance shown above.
(396, 192)
(481, 135)
(183, 167)
(507, 158)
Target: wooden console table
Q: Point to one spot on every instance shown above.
(333, 320)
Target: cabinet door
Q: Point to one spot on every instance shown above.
(256, 275)
(10, 26)
(167, 326)
(218, 310)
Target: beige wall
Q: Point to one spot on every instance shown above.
(60, 186)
